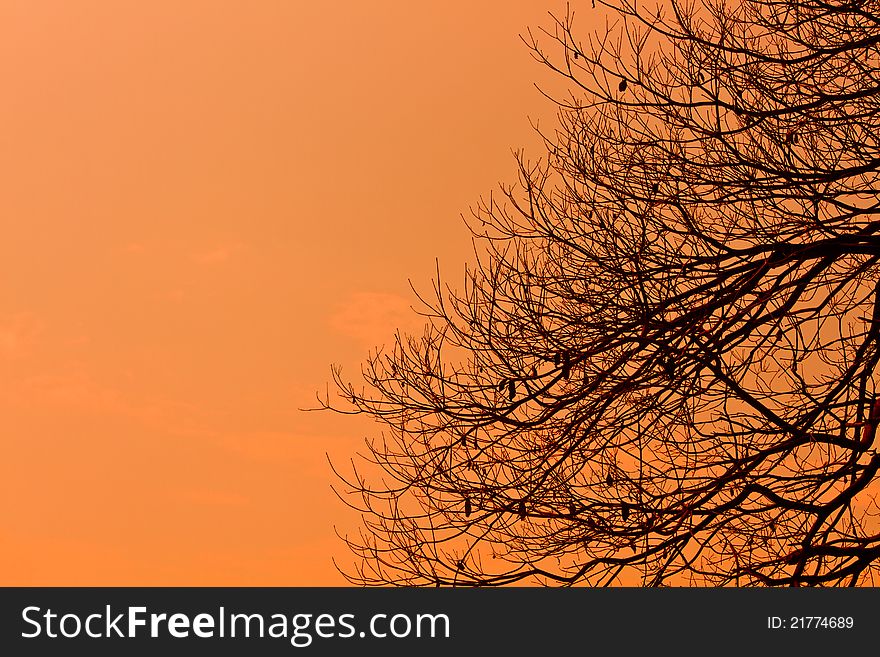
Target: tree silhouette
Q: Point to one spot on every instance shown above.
(662, 367)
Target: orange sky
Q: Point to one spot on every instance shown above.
(203, 205)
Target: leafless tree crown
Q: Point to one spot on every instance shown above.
(661, 369)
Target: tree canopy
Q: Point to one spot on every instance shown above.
(661, 368)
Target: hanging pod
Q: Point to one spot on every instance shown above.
(522, 509)
(624, 511)
(622, 86)
(609, 480)
(511, 391)
(467, 506)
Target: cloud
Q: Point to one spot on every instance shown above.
(270, 447)
(372, 318)
(217, 254)
(72, 390)
(18, 333)
(176, 295)
(134, 247)
(212, 497)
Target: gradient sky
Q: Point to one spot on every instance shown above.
(204, 204)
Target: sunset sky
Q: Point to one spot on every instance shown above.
(204, 204)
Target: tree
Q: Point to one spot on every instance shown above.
(662, 367)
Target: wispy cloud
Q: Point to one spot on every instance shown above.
(371, 318)
(18, 333)
(212, 497)
(134, 247)
(76, 390)
(217, 254)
